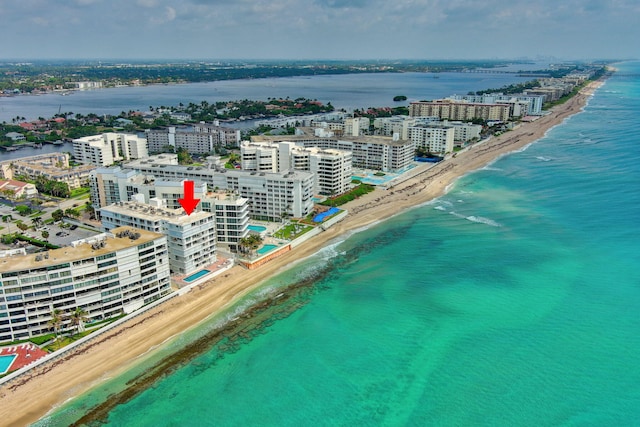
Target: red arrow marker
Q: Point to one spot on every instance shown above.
(188, 203)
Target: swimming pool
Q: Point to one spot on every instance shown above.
(321, 216)
(196, 276)
(6, 361)
(257, 228)
(266, 248)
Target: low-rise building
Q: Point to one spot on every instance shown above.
(53, 166)
(106, 275)
(17, 189)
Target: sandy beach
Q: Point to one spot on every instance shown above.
(30, 397)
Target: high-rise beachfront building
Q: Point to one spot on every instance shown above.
(332, 167)
(232, 217)
(113, 185)
(435, 138)
(108, 148)
(191, 239)
(105, 275)
(269, 195)
(201, 138)
(532, 104)
(460, 110)
(368, 152)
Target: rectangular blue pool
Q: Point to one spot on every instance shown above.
(196, 276)
(266, 248)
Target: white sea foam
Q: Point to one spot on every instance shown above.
(544, 159)
(457, 215)
(483, 220)
(440, 208)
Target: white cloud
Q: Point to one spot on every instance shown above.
(324, 28)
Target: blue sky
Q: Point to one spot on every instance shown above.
(325, 29)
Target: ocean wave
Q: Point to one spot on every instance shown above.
(440, 208)
(476, 219)
(544, 159)
(482, 220)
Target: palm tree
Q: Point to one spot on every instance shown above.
(56, 321)
(78, 317)
(37, 222)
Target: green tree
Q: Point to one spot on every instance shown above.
(88, 208)
(56, 321)
(72, 213)
(45, 234)
(23, 210)
(184, 158)
(37, 222)
(78, 317)
(57, 215)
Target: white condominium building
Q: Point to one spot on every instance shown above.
(105, 149)
(191, 239)
(112, 185)
(201, 138)
(269, 194)
(356, 126)
(232, 217)
(435, 138)
(368, 152)
(459, 110)
(533, 102)
(105, 275)
(332, 167)
(463, 131)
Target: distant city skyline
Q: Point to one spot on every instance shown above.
(321, 29)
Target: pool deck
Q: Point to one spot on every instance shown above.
(27, 353)
(221, 264)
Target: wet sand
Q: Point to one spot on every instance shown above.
(29, 397)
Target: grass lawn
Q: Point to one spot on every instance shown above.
(288, 232)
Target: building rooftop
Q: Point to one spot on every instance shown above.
(154, 213)
(118, 239)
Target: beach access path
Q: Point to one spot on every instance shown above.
(29, 397)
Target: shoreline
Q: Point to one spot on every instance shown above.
(30, 397)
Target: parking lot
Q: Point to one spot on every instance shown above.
(59, 234)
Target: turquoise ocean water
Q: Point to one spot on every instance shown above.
(513, 300)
